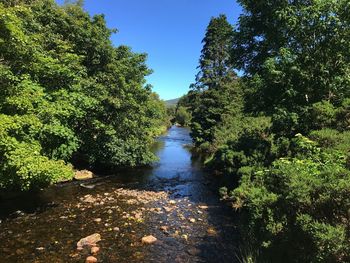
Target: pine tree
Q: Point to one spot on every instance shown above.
(216, 84)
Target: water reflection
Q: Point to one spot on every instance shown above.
(56, 218)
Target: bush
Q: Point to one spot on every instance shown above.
(252, 146)
(297, 210)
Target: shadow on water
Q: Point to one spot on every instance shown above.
(201, 228)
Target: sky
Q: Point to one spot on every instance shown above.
(169, 31)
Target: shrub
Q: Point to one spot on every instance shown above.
(297, 210)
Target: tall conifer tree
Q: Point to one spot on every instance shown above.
(216, 84)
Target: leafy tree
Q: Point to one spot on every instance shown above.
(292, 192)
(296, 52)
(68, 94)
(182, 116)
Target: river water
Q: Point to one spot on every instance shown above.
(175, 200)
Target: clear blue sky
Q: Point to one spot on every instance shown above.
(169, 31)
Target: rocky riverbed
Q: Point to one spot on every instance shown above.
(176, 219)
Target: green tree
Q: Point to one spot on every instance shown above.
(68, 94)
(182, 116)
(216, 84)
(294, 53)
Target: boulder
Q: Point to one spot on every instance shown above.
(89, 241)
(148, 240)
(83, 175)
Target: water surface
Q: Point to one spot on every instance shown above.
(175, 200)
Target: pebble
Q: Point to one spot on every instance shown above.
(91, 259)
(94, 250)
(211, 231)
(116, 229)
(97, 220)
(164, 228)
(148, 240)
(89, 241)
(167, 209)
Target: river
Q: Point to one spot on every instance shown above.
(175, 200)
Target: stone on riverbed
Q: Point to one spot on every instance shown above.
(94, 250)
(83, 175)
(164, 228)
(89, 199)
(148, 240)
(91, 259)
(89, 241)
(98, 220)
(172, 202)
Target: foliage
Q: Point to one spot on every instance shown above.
(292, 192)
(67, 93)
(182, 116)
(251, 145)
(211, 96)
(299, 204)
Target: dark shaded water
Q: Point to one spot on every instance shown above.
(174, 200)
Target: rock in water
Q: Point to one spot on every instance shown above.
(83, 175)
(89, 241)
(148, 240)
(87, 186)
(164, 228)
(91, 260)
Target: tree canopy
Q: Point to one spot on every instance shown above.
(284, 141)
(68, 94)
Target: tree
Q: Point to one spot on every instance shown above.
(67, 95)
(294, 53)
(216, 83)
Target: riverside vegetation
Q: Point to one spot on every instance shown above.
(281, 128)
(69, 96)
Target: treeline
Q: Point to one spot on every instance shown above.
(180, 114)
(68, 95)
(271, 109)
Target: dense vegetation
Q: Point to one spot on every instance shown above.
(179, 114)
(281, 130)
(67, 95)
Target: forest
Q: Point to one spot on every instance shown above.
(68, 96)
(271, 111)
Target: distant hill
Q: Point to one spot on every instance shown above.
(172, 102)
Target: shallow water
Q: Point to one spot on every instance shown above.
(174, 200)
